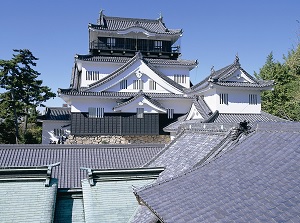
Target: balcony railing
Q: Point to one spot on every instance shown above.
(129, 46)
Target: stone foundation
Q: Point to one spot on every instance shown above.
(112, 139)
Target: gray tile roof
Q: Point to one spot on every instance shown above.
(202, 107)
(138, 95)
(219, 78)
(72, 157)
(89, 57)
(57, 113)
(217, 118)
(236, 118)
(153, 61)
(120, 95)
(189, 149)
(194, 143)
(108, 23)
(257, 180)
(260, 84)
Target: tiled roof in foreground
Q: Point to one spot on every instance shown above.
(222, 118)
(256, 180)
(57, 113)
(72, 157)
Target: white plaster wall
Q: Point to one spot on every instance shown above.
(238, 102)
(81, 104)
(179, 105)
(193, 113)
(130, 75)
(104, 69)
(171, 71)
(211, 99)
(131, 108)
(116, 81)
(48, 130)
(146, 79)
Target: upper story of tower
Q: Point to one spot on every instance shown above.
(115, 36)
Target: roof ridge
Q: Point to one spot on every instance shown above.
(193, 169)
(165, 149)
(140, 94)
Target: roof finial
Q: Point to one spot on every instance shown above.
(160, 16)
(212, 70)
(101, 18)
(237, 60)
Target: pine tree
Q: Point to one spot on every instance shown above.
(23, 91)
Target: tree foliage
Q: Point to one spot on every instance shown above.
(284, 100)
(23, 92)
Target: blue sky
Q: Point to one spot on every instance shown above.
(214, 31)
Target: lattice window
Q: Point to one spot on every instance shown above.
(92, 75)
(140, 112)
(180, 78)
(252, 99)
(224, 99)
(123, 84)
(152, 85)
(138, 84)
(170, 113)
(96, 112)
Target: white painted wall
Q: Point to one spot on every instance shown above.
(104, 69)
(211, 99)
(48, 130)
(170, 71)
(193, 113)
(181, 106)
(238, 101)
(81, 104)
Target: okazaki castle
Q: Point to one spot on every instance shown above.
(133, 87)
(144, 145)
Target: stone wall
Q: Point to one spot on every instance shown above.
(112, 139)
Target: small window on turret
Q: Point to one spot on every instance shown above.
(123, 84)
(224, 99)
(180, 78)
(138, 84)
(152, 85)
(170, 113)
(252, 99)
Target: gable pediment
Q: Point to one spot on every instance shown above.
(140, 101)
(239, 76)
(135, 69)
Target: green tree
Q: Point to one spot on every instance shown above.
(283, 101)
(23, 91)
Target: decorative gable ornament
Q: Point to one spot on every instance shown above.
(139, 74)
